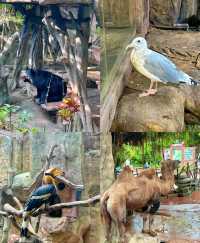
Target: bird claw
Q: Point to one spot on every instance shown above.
(148, 93)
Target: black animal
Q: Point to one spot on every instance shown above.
(50, 87)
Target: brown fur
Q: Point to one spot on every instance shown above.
(149, 173)
(134, 193)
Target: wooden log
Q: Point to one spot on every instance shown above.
(112, 92)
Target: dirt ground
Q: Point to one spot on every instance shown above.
(181, 225)
(44, 120)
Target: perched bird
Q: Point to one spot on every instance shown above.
(155, 66)
(45, 194)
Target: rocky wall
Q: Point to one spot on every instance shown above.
(26, 155)
(169, 12)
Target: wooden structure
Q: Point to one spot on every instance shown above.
(45, 2)
(134, 15)
(67, 23)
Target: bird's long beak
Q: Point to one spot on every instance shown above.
(69, 183)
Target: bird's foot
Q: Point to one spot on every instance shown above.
(148, 93)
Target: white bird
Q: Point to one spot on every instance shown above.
(155, 66)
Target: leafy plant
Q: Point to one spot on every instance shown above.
(23, 118)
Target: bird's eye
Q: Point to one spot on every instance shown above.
(138, 41)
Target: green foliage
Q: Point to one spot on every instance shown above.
(23, 118)
(151, 147)
(21, 123)
(5, 113)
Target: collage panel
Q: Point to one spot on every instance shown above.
(99, 121)
(49, 65)
(150, 187)
(50, 187)
(150, 59)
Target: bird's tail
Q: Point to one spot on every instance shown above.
(195, 82)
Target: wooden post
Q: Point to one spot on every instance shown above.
(22, 54)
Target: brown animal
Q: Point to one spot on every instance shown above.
(149, 173)
(134, 193)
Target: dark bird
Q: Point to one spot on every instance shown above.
(43, 195)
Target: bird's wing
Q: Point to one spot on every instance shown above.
(161, 67)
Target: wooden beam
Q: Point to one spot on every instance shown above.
(45, 2)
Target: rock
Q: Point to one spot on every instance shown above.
(22, 180)
(192, 99)
(60, 230)
(163, 112)
(141, 238)
(170, 12)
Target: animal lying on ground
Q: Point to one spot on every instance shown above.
(135, 193)
(50, 87)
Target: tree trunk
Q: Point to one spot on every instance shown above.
(8, 54)
(22, 54)
(106, 174)
(36, 52)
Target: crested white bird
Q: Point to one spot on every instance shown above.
(155, 66)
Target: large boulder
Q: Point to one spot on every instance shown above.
(163, 112)
(168, 111)
(170, 12)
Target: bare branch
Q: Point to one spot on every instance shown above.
(9, 210)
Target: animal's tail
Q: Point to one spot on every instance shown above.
(105, 216)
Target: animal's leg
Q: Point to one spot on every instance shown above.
(151, 220)
(145, 230)
(37, 97)
(108, 228)
(151, 90)
(122, 230)
(43, 97)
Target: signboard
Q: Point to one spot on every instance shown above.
(180, 152)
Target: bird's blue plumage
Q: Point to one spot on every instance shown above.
(41, 195)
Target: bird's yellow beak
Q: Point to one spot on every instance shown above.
(129, 47)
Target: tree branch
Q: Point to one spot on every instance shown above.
(10, 210)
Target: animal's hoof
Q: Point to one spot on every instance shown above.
(152, 233)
